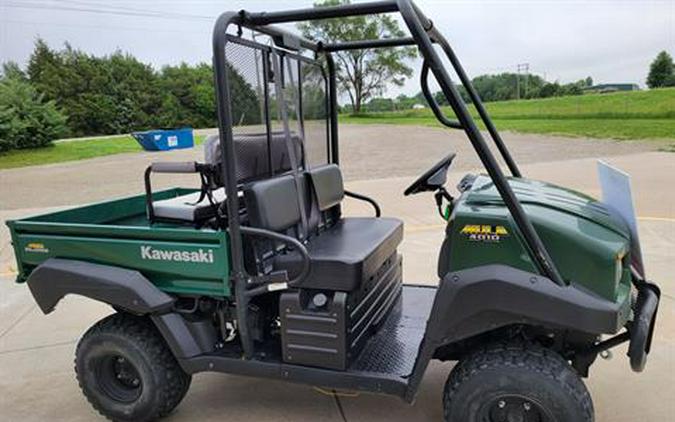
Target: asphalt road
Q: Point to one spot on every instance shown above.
(36, 351)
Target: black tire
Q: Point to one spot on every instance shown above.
(126, 370)
(515, 382)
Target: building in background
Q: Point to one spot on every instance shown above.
(605, 88)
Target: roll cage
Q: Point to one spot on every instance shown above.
(423, 35)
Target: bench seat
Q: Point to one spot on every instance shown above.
(345, 254)
(186, 207)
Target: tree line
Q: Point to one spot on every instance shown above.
(69, 93)
(512, 86)
(500, 87)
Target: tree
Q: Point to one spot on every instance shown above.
(363, 74)
(11, 70)
(504, 86)
(100, 95)
(661, 71)
(189, 98)
(379, 104)
(670, 81)
(26, 120)
(549, 90)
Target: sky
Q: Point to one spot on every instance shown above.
(561, 40)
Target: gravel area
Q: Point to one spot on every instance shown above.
(394, 151)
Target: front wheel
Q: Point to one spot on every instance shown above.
(127, 372)
(515, 383)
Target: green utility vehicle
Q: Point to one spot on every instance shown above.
(258, 272)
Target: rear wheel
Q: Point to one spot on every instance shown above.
(127, 372)
(515, 383)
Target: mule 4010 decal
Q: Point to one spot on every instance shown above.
(484, 232)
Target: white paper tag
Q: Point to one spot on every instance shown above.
(277, 286)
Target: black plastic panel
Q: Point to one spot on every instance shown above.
(312, 336)
(333, 334)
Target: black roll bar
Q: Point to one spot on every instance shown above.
(239, 276)
(332, 90)
(315, 13)
(279, 34)
(535, 245)
(363, 44)
(423, 35)
(477, 102)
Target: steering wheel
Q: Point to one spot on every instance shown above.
(432, 179)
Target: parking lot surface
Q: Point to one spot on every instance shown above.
(36, 351)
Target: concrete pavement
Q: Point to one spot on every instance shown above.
(36, 351)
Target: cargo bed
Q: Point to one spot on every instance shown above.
(177, 258)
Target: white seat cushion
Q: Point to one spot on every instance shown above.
(186, 208)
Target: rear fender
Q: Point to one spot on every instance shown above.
(119, 287)
(124, 289)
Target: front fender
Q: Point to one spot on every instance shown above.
(126, 289)
(477, 300)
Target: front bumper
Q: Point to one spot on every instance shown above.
(641, 328)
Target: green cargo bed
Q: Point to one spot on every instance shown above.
(176, 258)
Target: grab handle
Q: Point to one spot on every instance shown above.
(174, 167)
(424, 81)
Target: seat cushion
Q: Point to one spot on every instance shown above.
(186, 208)
(347, 253)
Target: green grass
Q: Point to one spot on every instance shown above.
(72, 151)
(628, 115)
(621, 129)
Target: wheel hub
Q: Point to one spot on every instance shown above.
(513, 408)
(118, 378)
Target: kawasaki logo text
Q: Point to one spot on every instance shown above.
(204, 256)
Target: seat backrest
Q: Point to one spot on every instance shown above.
(272, 203)
(326, 192)
(328, 186)
(251, 154)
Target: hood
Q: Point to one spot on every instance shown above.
(534, 192)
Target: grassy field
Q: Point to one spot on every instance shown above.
(72, 151)
(629, 115)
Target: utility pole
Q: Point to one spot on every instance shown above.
(525, 67)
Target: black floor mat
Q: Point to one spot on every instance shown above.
(394, 348)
